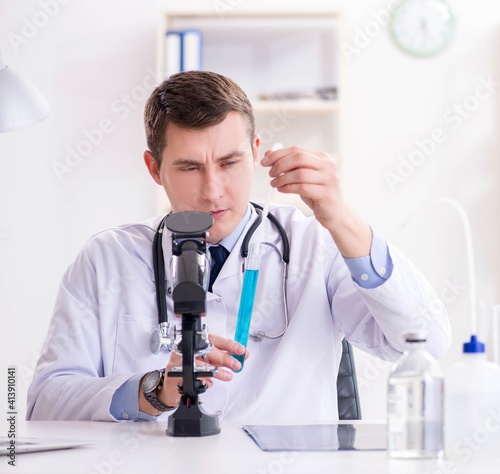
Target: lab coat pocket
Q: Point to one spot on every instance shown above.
(131, 343)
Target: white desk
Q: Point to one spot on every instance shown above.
(143, 448)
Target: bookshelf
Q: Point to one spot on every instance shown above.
(268, 52)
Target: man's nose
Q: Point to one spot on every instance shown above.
(213, 186)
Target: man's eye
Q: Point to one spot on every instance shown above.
(190, 168)
(229, 163)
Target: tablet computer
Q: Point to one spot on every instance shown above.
(31, 445)
(321, 437)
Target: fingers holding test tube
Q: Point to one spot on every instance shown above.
(220, 356)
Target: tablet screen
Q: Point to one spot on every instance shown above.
(331, 437)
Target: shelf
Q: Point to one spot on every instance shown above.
(297, 106)
(265, 48)
(220, 14)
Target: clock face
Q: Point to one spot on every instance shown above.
(422, 27)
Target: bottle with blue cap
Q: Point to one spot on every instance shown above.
(472, 407)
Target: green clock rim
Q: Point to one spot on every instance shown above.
(416, 52)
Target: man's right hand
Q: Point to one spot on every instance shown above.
(220, 356)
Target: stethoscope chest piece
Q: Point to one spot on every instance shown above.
(162, 337)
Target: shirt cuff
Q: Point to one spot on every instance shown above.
(125, 402)
(374, 269)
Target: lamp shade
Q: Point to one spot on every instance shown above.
(21, 103)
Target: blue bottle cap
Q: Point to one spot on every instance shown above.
(474, 345)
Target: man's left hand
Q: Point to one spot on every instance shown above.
(314, 176)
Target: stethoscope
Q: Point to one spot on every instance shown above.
(162, 336)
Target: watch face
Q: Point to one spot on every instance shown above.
(422, 27)
(151, 381)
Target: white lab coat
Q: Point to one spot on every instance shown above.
(105, 313)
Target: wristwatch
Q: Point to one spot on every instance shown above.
(151, 384)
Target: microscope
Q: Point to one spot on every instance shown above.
(190, 272)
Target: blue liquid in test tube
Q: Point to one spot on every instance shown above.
(246, 302)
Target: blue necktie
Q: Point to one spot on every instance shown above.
(219, 255)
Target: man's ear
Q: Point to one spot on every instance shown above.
(255, 149)
(152, 167)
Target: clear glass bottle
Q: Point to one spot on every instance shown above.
(415, 403)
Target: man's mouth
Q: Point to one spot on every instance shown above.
(218, 214)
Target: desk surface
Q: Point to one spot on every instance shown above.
(144, 448)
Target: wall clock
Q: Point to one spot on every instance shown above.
(423, 27)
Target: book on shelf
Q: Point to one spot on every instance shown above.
(183, 51)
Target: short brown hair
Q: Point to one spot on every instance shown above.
(193, 100)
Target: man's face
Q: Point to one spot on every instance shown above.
(209, 170)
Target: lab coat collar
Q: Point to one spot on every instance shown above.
(234, 263)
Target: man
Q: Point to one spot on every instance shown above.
(344, 280)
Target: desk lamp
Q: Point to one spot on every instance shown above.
(21, 103)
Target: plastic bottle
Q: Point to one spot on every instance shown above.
(472, 407)
(415, 403)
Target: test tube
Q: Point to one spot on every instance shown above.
(251, 277)
(247, 298)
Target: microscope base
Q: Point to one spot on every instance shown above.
(192, 421)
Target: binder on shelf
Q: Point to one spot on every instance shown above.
(183, 51)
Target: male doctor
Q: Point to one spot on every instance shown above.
(344, 280)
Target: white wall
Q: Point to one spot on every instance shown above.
(90, 56)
